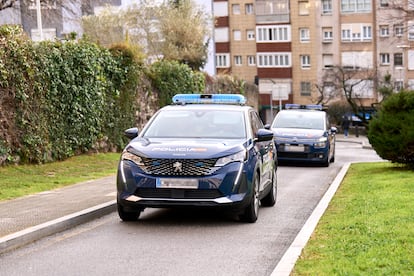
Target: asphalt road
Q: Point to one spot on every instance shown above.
(186, 242)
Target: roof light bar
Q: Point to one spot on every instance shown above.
(314, 106)
(209, 98)
(292, 106)
(308, 106)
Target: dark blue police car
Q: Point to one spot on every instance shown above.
(206, 150)
(303, 134)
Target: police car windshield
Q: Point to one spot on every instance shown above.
(197, 124)
(300, 119)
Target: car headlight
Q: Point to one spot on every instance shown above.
(130, 155)
(237, 157)
(321, 143)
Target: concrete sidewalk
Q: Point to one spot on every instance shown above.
(24, 220)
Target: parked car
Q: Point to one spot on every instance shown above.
(204, 150)
(304, 134)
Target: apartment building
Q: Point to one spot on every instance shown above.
(290, 48)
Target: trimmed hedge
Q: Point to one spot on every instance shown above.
(59, 99)
(391, 132)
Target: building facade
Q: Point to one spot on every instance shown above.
(298, 51)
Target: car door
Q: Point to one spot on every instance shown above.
(264, 152)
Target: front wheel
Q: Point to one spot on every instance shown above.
(251, 212)
(270, 199)
(128, 216)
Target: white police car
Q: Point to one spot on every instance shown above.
(206, 150)
(303, 134)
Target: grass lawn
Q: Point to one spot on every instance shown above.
(368, 228)
(16, 181)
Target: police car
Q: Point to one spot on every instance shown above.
(204, 150)
(303, 134)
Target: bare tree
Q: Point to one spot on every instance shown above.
(5, 4)
(173, 30)
(354, 85)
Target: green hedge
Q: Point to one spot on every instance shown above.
(59, 99)
(63, 98)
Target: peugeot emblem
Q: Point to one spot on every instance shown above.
(178, 167)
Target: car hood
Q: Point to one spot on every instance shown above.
(298, 133)
(186, 148)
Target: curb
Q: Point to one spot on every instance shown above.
(287, 263)
(37, 232)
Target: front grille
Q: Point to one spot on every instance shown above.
(179, 167)
(178, 193)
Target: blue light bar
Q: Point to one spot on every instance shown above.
(292, 106)
(314, 106)
(308, 106)
(209, 98)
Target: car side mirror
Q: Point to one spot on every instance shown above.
(267, 126)
(131, 133)
(264, 135)
(334, 129)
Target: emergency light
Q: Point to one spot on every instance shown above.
(209, 98)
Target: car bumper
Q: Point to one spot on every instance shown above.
(228, 187)
(310, 154)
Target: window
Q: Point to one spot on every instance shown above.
(305, 61)
(410, 56)
(274, 60)
(221, 34)
(251, 60)
(398, 30)
(410, 30)
(250, 35)
(366, 32)
(305, 88)
(410, 84)
(236, 34)
(357, 59)
(326, 6)
(271, 7)
(235, 8)
(304, 34)
(222, 60)
(356, 32)
(384, 30)
(238, 60)
(249, 8)
(327, 60)
(327, 34)
(398, 59)
(355, 6)
(383, 3)
(398, 85)
(384, 58)
(303, 7)
(278, 33)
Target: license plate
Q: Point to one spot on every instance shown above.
(295, 148)
(180, 183)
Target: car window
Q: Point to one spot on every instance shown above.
(256, 122)
(305, 120)
(197, 124)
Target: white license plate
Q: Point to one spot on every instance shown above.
(295, 148)
(180, 183)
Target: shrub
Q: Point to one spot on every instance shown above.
(391, 131)
(171, 77)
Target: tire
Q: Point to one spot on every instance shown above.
(128, 216)
(333, 157)
(270, 199)
(251, 213)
